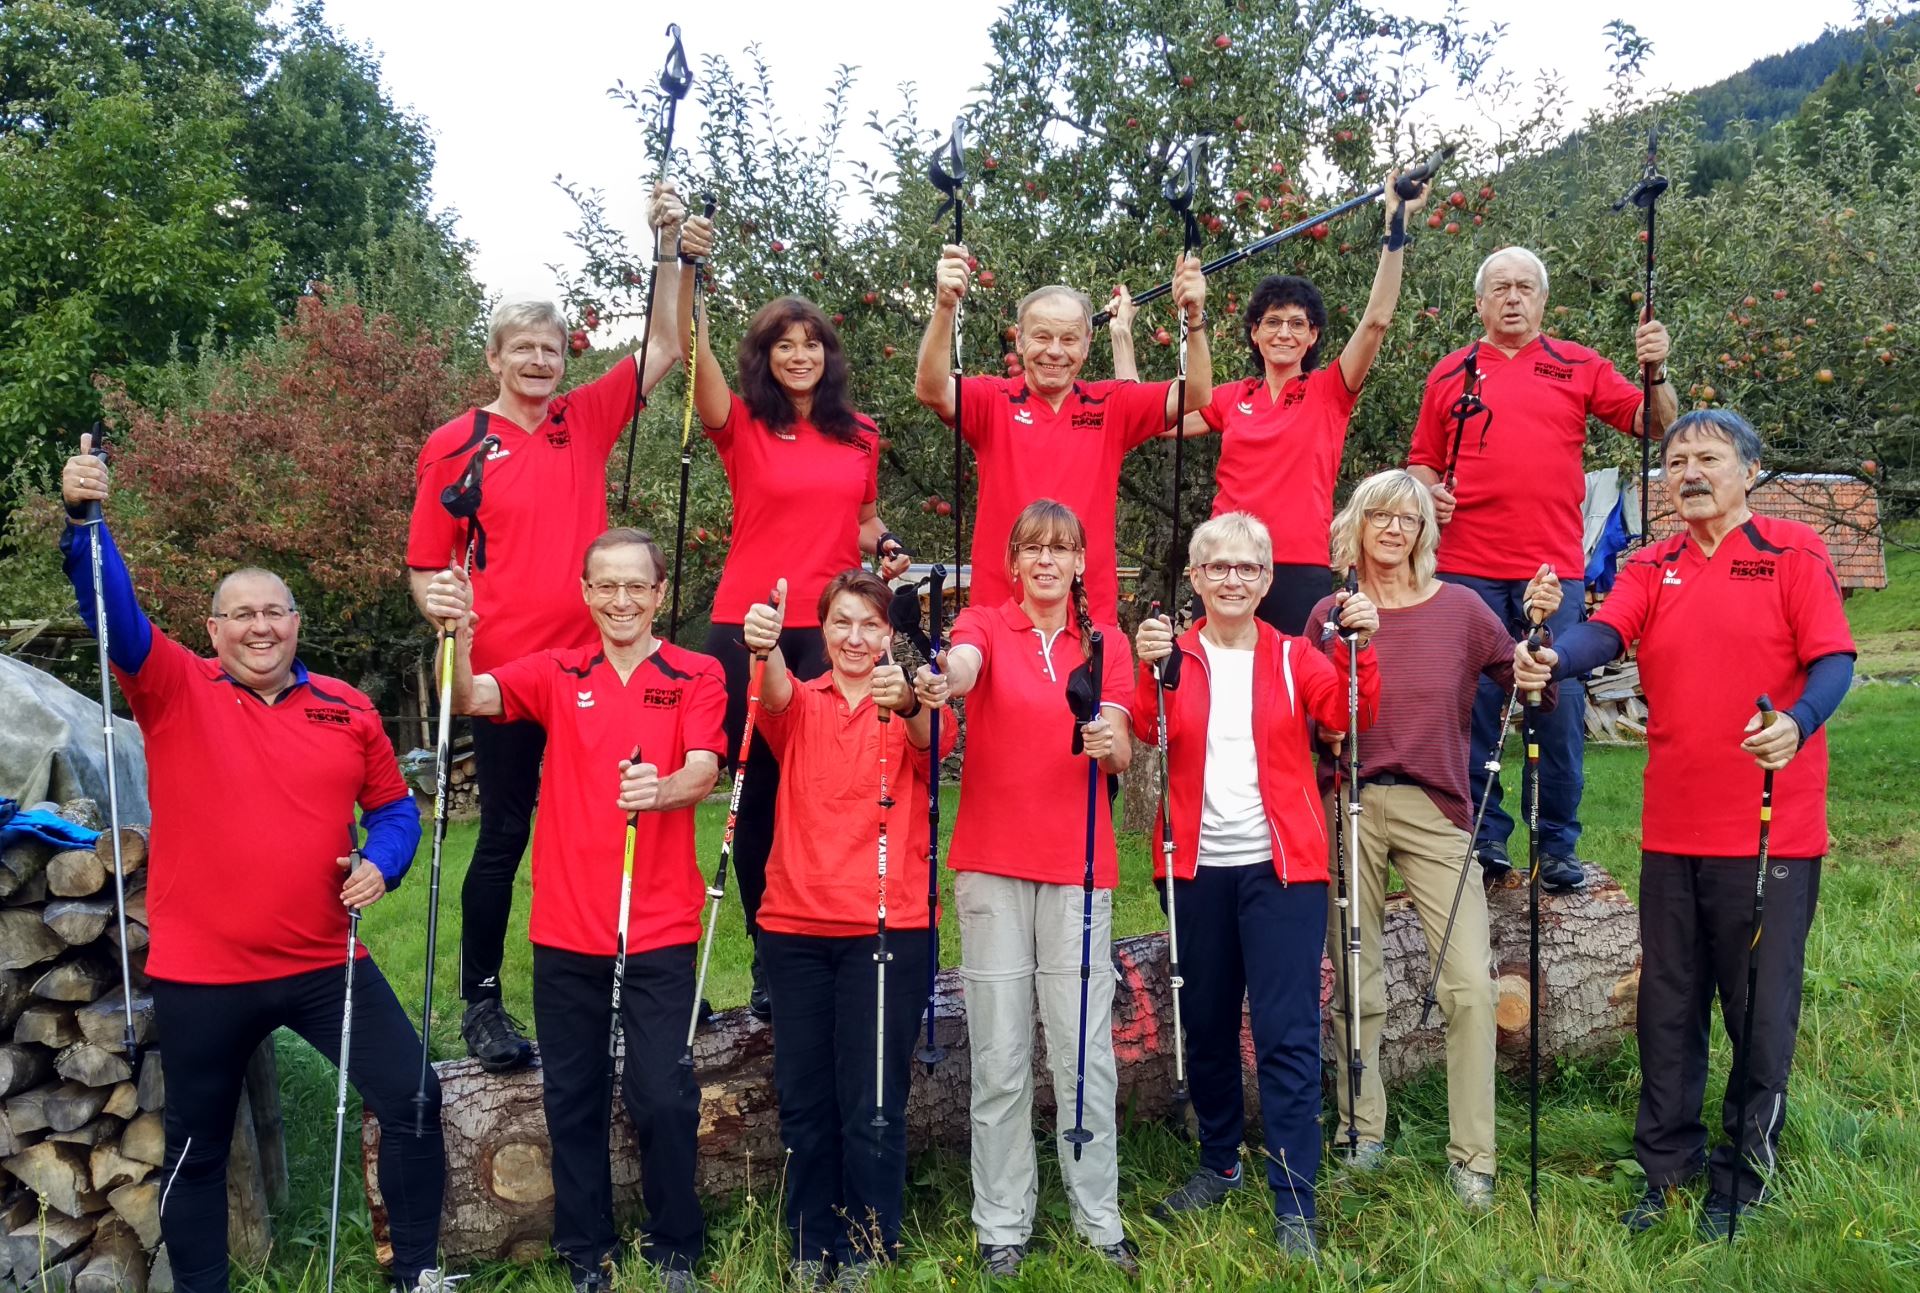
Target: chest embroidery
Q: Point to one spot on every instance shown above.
(583, 699)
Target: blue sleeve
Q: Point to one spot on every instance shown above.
(130, 632)
(393, 836)
(1828, 679)
(1585, 647)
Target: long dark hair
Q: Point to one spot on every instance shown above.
(767, 399)
(1286, 289)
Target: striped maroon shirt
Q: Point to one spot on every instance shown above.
(1431, 659)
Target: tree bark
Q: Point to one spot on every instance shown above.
(117, 1263)
(60, 1173)
(78, 921)
(22, 1066)
(77, 873)
(25, 939)
(82, 977)
(499, 1187)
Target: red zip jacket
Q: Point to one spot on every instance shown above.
(1294, 684)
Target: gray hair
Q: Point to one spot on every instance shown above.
(1532, 262)
(1380, 492)
(1228, 528)
(523, 316)
(1078, 297)
(1722, 423)
(248, 572)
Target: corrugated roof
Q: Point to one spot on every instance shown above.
(1844, 509)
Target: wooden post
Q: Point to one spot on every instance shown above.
(263, 1094)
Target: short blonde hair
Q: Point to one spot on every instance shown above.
(523, 316)
(1383, 491)
(1228, 528)
(1073, 296)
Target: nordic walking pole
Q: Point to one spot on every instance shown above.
(346, 1048)
(620, 940)
(880, 953)
(1166, 677)
(932, 1052)
(1408, 186)
(676, 78)
(1080, 1137)
(1467, 408)
(1178, 191)
(1645, 194)
(947, 171)
(686, 431)
(1540, 636)
(462, 501)
(718, 889)
(1744, 1073)
(1348, 899)
(94, 519)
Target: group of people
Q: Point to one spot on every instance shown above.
(583, 706)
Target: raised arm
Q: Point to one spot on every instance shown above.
(761, 629)
(933, 377)
(1364, 345)
(84, 484)
(1190, 294)
(1120, 315)
(672, 283)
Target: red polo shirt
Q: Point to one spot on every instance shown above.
(1023, 792)
(671, 705)
(1714, 634)
(1279, 458)
(823, 875)
(1518, 496)
(251, 808)
(797, 499)
(543, 499)
(1027, 451)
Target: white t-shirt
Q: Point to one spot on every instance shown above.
(1233, 826)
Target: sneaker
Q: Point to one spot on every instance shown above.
(1121, 1257)
(1294, 1234)
(759, 1000)
(1649, 1212)
(854, 1277)
(1494, 863)
(494, 1037)
(675, 1280)
(1002, 1260)
(1716, 1216)
(1203, 1189)
(1562, 875)
(1473, 1189)
(593, 1281)
(807, 1274)
(431, 1280)
(1367, 1156)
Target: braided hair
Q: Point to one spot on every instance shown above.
(1083, 616)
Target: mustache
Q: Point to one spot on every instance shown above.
(1696, 491)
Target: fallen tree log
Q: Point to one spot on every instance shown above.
(499, 1185)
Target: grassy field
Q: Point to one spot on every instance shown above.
(1848, 1216)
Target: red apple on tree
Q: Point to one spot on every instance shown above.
(1223, 41)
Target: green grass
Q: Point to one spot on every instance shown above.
(1886, 621)
(1849, 1211)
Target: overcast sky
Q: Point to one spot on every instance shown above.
(515, 93)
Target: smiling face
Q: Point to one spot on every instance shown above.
(1512, 301)
(529, 363)
(857, 635)
(1055, 335)
(255, 630)
(1706, 480)
(796, 360)
(1245, 577)
(1388, 534)
(1045, 565)
(1283, 336)
(622, 591)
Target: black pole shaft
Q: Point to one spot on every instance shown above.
(930, 1053)
(1744, 1077)
(1532, 736)
(1646, 392)
(640, 359)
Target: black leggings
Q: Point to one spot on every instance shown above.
(806, 655)
(211, 1030)
(506, 759)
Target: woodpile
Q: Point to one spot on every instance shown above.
(463, 787)
(82, 1135)
(499, 1164)
(1616, 707)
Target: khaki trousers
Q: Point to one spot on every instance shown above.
(1020, 940)
(1399, 825)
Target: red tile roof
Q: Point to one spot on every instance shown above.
(1844, 509)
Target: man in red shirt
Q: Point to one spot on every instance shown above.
(545, 500)
(633, 735)
(255, 767)
(1738, 606)
(1508, 489)
(1047, 434)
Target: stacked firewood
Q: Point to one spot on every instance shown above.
(82, 1137)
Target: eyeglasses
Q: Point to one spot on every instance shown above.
(1058, 551)
(1247, 571)
(607, 592)
(1406, 522)
(1299, 326)
(247, 614)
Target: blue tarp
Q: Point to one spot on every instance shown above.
(1614, 540)
(49, 828)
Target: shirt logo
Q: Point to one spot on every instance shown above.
(559, 437)
(1754, 568)
(1088, 421)
(660, 698)
(1024, 417)
(330, 717)
(498, 454)
(583, 699)
(1245, 407)
(1671, 579)
(1553, 372)
(1294, 394)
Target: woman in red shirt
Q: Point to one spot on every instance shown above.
(1282, 429)
(837, 737)
(1020, 848)
(803, 469)
(1436, 641)
(1250, 859)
